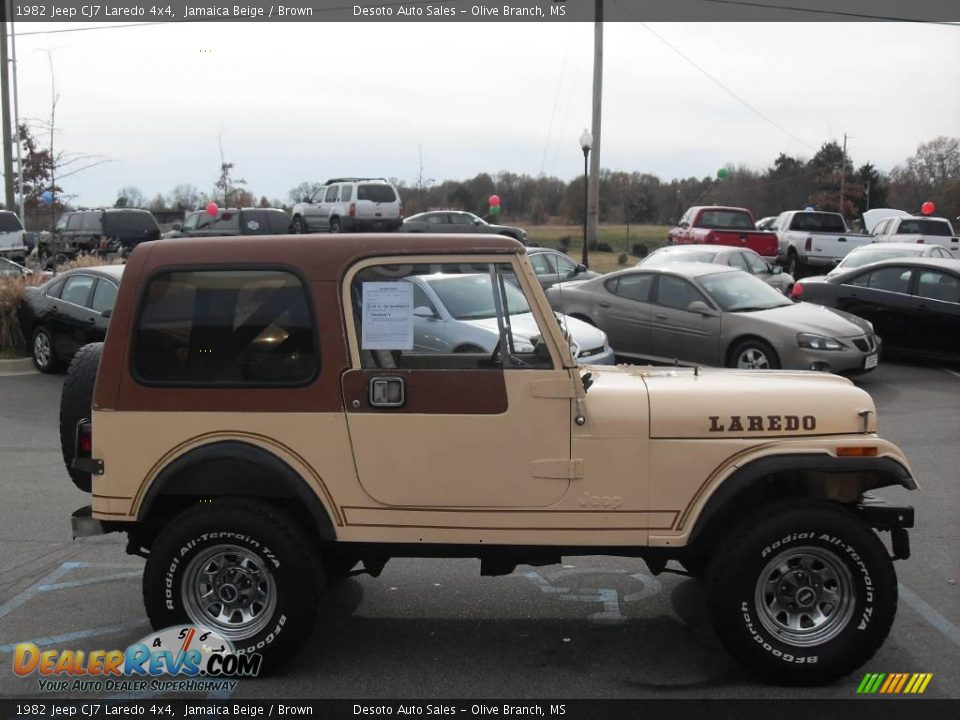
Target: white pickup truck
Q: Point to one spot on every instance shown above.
(807, 238)
(918, 229)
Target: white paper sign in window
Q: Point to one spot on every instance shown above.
(387, 316)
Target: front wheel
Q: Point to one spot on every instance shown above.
(245, 570)
(44, 356)
(754, 355)
(804, 595)
(298, 226)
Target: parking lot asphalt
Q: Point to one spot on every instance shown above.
(594, 627)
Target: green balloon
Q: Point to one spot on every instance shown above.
(722, 173)
(494, 210)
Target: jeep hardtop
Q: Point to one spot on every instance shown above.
(266, 418)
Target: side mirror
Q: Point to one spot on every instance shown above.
(775, 270)
(422, 311)
(106, 313)
(699, 306)
(177, 226)
(476, 221)
(684, 224)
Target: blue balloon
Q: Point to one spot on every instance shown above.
(47, 197)
(809, 208)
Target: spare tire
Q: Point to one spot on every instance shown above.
(76, 403)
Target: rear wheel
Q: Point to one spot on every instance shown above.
(44, 356)
(243, 569)
(335, 225)
(805, 594)
(298, 226)
(793, 264)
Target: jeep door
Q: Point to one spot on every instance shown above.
(453, 429)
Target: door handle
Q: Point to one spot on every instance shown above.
(661, 316)
(604, 305)
(387, 392)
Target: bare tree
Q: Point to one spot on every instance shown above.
(233, 195)
(130, 196)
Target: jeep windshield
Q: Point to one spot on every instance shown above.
(470, 297)
(739, 292)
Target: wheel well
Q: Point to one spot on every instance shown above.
(728, 356)
(584, 318)
(230, 469)
(468, 347)
(772, 479)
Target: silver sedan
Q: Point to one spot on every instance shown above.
(741, 258)
(455, 313)
(698, 313)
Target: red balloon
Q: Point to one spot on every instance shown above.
(212, 209)
(494, 200)
(928, 208)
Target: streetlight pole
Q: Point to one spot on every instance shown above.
(586, 142)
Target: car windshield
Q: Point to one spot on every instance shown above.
(9, 222)
(739, 292)
(469, 297)
(940, 228)
(658, 258)
(855, 260)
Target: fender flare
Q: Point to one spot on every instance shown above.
(754, 474)
(285, 481)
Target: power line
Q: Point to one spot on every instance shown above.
(717, 82)
(840, 13)
(95, 27)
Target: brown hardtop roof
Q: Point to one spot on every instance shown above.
(319, 257)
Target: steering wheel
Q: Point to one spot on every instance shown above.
(496, 360)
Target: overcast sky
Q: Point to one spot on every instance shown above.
(308, 101)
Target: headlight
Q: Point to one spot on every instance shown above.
(818, 342)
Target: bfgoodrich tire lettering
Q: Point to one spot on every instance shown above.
(805, 594)
(252, 558)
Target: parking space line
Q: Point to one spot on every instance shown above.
(952, 372)
(89, 581)
(18, 600)
(77, 635)
(930, 615)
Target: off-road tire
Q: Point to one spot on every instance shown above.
(42, 351)
(743, 606)
(256, 535)
(298, 226)
(757, 349)
(76, 404)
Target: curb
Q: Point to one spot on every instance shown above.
(17, 366)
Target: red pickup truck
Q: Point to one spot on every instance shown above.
(715, 225)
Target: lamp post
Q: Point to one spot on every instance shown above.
(586, 142)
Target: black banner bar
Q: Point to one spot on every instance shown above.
(162, 11)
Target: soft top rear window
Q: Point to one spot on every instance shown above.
(9, 222)
(126, 222)
(376, 193)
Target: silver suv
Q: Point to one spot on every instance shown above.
(349, 205)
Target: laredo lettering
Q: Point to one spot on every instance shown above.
(755, 423)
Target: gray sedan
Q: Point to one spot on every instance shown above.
(699, 313)
(741, 258)
(458, 221)
(552, 266)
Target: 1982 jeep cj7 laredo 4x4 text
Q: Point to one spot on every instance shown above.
(268, 415)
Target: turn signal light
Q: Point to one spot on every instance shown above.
(857, 451)
(797, 291)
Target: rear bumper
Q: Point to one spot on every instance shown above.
(370, 224)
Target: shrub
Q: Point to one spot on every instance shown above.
(12, 342)
(640, 250)
(564, 243)
(622, 259)
(601, 246)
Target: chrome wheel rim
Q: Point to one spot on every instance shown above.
(41, 349)
(229, 589)
(805, 596)
(753, 359)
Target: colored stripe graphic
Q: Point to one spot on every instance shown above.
(894, 683)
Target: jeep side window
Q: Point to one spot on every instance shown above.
(468, 305)
(225, 328)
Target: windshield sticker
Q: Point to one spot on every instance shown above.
(387, 316)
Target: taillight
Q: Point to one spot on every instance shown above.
(400, 210)
(808, 245)
(797, 291)
(84, 439)
(920, 241)
(353, 210)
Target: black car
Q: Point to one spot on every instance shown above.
(913, 303)
(89, 231)
(67, 312)
(232, 221)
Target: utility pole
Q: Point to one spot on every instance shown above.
(9, 202)
(843, 171)
(593, 209)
